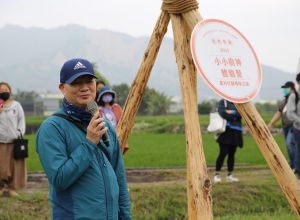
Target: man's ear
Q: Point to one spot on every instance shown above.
(62, 88)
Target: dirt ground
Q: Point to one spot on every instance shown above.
(155, 176)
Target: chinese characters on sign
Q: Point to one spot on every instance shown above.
(230, 67)
(226, 60)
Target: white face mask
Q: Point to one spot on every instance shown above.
(107, 98)
(285, 91)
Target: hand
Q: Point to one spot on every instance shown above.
(96, 128)
(1, 108)
(270, 127)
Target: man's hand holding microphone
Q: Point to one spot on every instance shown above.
(96, 128)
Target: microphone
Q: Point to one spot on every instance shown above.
(92, 108)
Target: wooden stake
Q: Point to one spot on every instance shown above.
(193, 78)
(274, 157)
(200, 186)
(192, 18)
(138, 87)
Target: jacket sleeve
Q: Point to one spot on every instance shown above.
(61, 168)
(117, 111)
(118, 166)
(222, 111)
(291, 109)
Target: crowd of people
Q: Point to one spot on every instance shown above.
(86, 176)
(289, 113)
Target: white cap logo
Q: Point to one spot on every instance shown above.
(79, 66)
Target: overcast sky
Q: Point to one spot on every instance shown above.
(272, 26)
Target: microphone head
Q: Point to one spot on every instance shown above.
(92, 107)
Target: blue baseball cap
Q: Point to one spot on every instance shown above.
(74, 68)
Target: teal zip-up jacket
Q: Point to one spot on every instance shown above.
(83, 183)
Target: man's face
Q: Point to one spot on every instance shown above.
(80, 92)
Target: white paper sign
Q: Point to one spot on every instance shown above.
(226, 60)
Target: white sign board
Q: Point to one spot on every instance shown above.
(226, 60)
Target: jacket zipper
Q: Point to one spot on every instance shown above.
(99, 162)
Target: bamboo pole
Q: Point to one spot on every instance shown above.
(274, 157)
(138, 87)
(200, 185)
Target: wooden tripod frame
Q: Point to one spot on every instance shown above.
(198, 182)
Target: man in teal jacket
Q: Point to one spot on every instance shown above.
(86, 178)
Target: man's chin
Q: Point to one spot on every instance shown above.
(85, 102)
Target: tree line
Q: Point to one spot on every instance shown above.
(153, 101)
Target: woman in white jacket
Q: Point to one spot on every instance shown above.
(12, 124)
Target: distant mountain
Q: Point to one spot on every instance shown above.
(30, 59)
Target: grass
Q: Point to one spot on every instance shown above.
(158, 141)
(155, 121)
(33, 162)
(168, 150)
(256, 197)
(28, 206)
(35, 120)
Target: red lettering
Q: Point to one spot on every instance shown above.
(218, 61)
(238, 73)
(231, 61)
(231, 73)
(224, 61)
(224, 72)
(238, 61)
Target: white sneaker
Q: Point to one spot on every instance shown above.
(230, 178)
(217, 179)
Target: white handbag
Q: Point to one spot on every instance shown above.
(217, 124)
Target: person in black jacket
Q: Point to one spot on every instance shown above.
(228, 140)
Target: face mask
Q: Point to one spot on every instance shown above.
(4, 95)
(107, 98)
(285, 91)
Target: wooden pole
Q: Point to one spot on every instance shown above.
(193, 78)
(274, 157)
(190, 20)
(200, 186)
(138, 87)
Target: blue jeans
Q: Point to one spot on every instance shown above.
(290, 145)
(297, 140)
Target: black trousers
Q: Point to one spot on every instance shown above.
(225, 150)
